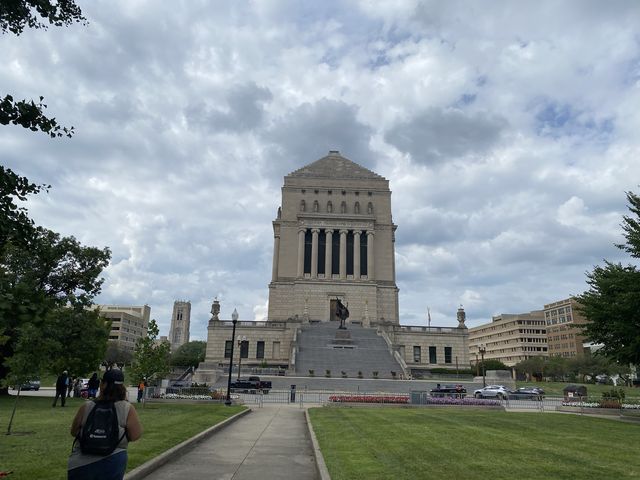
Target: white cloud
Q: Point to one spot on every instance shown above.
(508, 133)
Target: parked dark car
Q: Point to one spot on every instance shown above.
(29, 385)
(527, 393)
(457, 391)
(251, 385)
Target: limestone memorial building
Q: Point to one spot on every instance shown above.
(334, 240)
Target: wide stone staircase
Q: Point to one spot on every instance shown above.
(319, 349)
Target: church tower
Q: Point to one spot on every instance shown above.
(180, 323)
(334, 239)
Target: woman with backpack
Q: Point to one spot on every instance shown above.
(102, 429)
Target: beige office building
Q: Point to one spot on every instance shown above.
(564, 334)
(128, 323)
(510, 338)
(333, 238)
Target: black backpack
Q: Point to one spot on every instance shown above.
(100, 435)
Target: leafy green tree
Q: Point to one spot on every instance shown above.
(612, 303)
(190, 354)
(492, 364)
(15, 15)
(590, 366)
(531, 367)
(151, 357)
(555, 368)
(116, 355)
(46, 282)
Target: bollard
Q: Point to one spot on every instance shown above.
(293, 394)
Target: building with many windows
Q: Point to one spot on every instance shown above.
(128, 323)
(334, 240)
(511, 338)
(180, 324)
(564, 334)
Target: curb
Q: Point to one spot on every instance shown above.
(149, 466)
(320, 465)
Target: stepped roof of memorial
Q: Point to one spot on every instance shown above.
(335, 165)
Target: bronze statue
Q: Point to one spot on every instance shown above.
(342, 313)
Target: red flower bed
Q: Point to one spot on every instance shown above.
(369, 398)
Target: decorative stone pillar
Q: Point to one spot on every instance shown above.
(314, 252)
(356, 254)
(276, 258)
(370, 257)
(343, 254)
(328, 253)
(301, 233)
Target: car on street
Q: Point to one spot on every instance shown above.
(457, 391)
(492, 391)
(527, 393)
(29, 385)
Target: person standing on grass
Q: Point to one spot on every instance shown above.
(61, 388)
(113, 465)
(140, 390)
(93, 385)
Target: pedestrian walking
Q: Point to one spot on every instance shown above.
(91, 456)
(140, 390)
(61, 388)
(93, 385)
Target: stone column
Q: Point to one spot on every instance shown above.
(356, 254)
(276, 258)
(301, 233)
(314, 252)
(370, 257)
(328, 253)
(343, 254)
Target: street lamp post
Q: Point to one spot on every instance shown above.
(482, 349)
(241, 340)
(234, 319)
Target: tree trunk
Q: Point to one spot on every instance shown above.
(15, 404)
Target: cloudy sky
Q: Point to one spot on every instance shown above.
(508, 131)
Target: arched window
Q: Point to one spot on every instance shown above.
(329, 207)
(356, 208)
(316, 206)
(343, 207)
(303, 206)
(370, 208)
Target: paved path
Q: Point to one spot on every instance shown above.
(269, 443)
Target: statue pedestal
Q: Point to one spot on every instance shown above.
(343, 337)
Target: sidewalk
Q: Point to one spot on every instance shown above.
(269, 443)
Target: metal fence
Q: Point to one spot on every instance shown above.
(303, 397)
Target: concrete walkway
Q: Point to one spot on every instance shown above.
(269, 443)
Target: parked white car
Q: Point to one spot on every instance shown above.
(495, 391)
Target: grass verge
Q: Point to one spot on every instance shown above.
(437, 443)
(41, 443)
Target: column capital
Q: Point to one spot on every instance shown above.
(342, 230)
(315, 230)
(302, 229)
(370, 232)
(328, 230)
(357, 232)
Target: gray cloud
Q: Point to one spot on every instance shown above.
(244, 110)
(309, 131)
(436, 135)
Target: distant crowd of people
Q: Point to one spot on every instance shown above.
(65, 385)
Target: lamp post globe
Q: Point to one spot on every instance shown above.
(234, 321)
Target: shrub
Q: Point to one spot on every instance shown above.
(344, 374)
(615, 394)
(359, 374)
(312, 373)
(327, 373)
(375, 374)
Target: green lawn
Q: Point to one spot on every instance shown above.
(448, 443)
(593, 390)
(42, 443)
